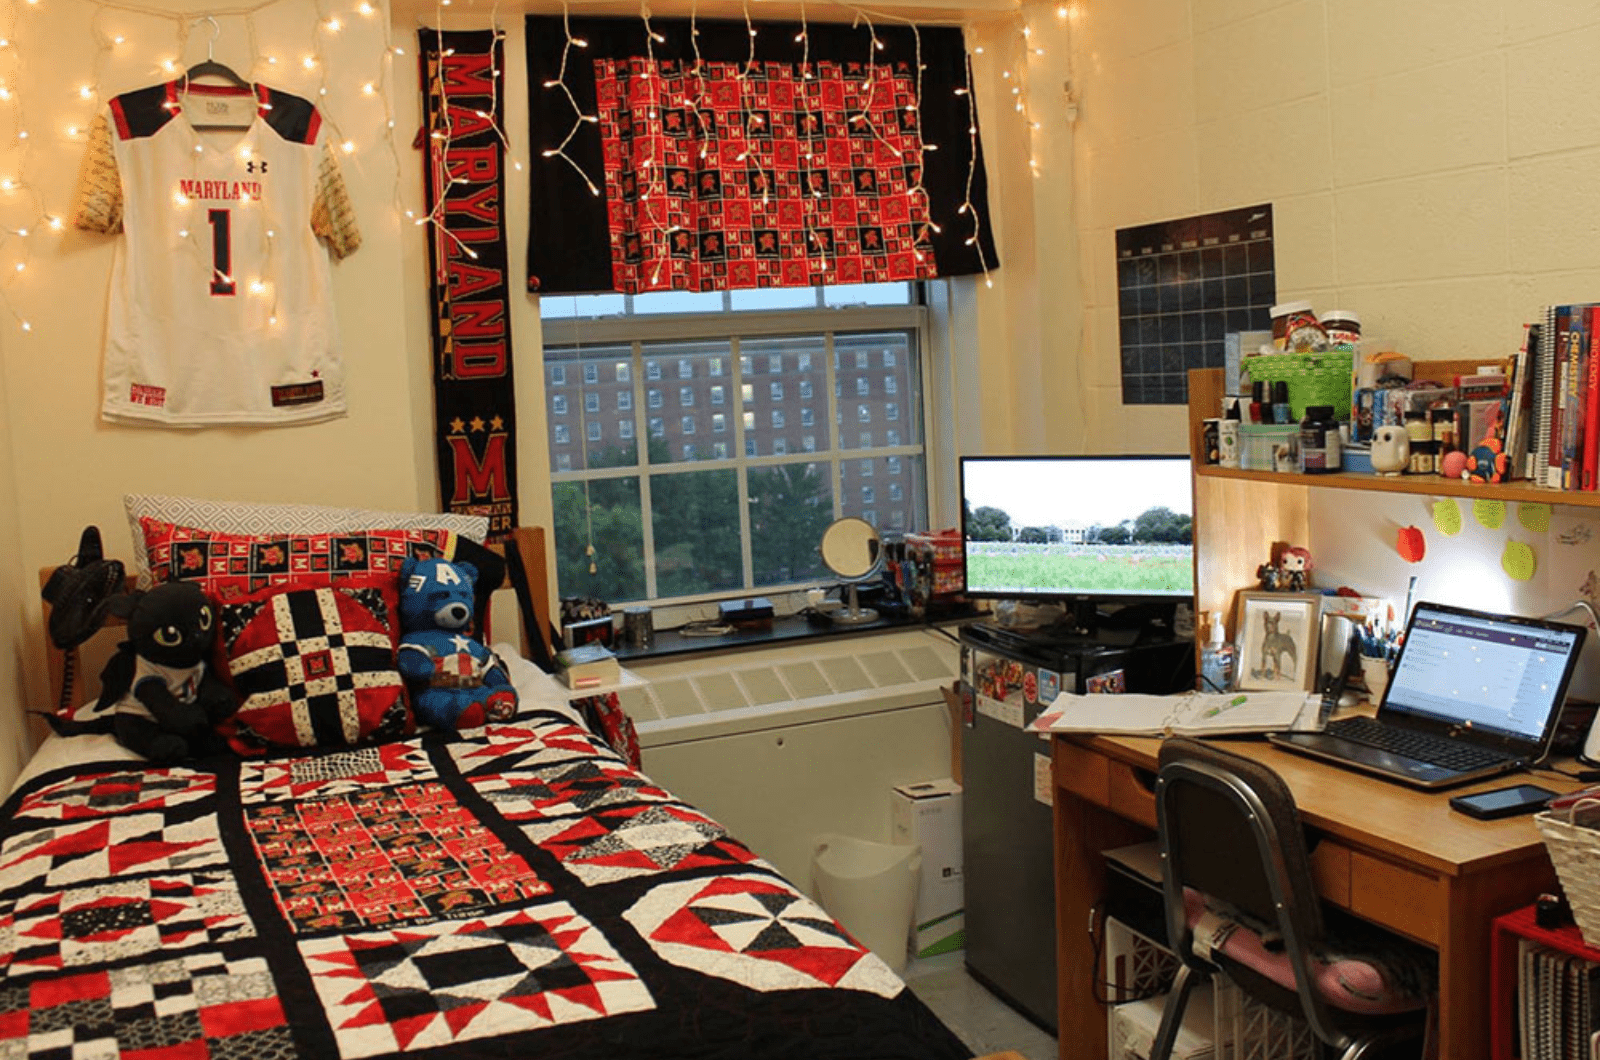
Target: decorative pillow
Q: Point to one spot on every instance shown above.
(231, 566)
(314, 667)
(238, 517)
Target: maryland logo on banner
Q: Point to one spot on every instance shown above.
(473, 397)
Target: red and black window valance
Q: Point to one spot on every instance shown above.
(789, 156)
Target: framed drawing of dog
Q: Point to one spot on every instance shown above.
(1277, 640)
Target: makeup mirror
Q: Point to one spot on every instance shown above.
(852, 549)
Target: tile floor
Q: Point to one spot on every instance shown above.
(982, 1021)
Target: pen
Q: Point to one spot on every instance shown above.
(1234, 702)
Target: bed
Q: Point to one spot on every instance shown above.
(514, 890)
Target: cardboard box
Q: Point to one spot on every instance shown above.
(929, 814)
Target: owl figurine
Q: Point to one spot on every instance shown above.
(1391, 449)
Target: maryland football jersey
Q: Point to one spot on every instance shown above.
(221, 306)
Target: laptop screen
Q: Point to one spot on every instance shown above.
(1499, 675)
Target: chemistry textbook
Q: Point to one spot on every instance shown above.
(1186, 714)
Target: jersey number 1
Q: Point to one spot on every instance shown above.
(221, 252)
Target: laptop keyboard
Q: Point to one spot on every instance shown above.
(1425, 747)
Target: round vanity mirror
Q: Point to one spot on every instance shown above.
(852, 549)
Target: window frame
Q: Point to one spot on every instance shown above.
(834, 450)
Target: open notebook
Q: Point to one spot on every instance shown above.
(1185, 714)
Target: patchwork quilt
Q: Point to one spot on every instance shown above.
(510, 891)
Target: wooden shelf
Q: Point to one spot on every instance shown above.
(1424, 485)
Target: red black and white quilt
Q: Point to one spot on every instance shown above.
(510, 891)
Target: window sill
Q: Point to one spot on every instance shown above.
(786, 630)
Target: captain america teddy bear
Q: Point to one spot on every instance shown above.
(456, 682)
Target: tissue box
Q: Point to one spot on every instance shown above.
(929, 815)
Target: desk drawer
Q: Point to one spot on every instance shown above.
(1411, 902)
(1132, 792)
(1081, 771)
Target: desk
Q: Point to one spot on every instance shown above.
(1398, 857)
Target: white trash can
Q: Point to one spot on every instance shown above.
(870, 888)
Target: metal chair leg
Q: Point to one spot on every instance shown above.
(1172, 1013)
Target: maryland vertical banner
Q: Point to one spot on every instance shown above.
(473, 398)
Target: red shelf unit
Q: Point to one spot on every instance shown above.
(1507, 929)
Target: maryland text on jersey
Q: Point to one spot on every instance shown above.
(221, 309)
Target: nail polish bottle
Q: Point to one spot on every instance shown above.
(1280, 403)
(1257, 396)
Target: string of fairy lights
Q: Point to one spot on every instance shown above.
(28, 216)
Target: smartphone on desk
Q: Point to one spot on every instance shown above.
(1503, 802)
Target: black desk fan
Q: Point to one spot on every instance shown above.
(78, 593)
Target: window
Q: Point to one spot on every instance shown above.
(893, 464)
(863, 388)
(889, 384)
(591, 373)
(891, 411)
(897, 492)
(558, 404)
(678, 518)
(563, 435)
(591, 402)
(867, 495)
(594, 430)
(558, 375)
(865, 468)
(891, 437)
(888, 358)
(870, 516)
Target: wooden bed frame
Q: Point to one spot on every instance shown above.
(528, 541)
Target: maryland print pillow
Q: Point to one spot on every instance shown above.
(313, 667)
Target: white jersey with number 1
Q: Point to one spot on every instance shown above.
(221, 306)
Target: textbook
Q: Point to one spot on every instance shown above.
(588, 666)
(1185, 714)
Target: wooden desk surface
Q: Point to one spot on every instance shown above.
(1391, 854)
(1416, 827)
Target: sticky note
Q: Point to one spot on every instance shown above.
(1534, 516)
(1447, 516)
(1518, 560)
(1490, 514)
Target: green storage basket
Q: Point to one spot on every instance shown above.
(1313, 378)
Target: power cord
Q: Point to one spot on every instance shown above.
(1100, 987)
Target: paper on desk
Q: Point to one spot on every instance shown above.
(1186, 714)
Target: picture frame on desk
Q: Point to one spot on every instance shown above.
(1278, 638)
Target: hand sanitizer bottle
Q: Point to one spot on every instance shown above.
(1216, 659)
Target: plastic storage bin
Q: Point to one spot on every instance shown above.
(870, 888)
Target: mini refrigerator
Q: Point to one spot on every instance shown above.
(1007, 832)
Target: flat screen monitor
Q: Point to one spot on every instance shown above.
(1114, 529)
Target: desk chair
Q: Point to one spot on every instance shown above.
(1229, 832)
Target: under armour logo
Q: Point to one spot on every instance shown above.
(250, 166)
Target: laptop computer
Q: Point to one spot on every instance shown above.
(1472, 695)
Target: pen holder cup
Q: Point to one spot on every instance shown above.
(1375, 673)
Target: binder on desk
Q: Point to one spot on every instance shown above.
(1186, 714)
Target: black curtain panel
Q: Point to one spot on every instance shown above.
(671, 157)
